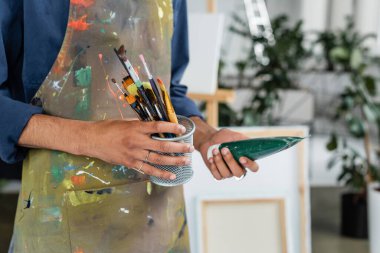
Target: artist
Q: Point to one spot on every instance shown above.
(50, 218)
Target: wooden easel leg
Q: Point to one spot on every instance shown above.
(212, 113)
(211, 6)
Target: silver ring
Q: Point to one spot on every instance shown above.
(242, 177)
(147, 157)
(140, 169)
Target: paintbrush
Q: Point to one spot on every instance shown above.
(119, 87)
(154, 88)
(132, 102)
(169, 107)
(143, 108)
(121, 54)
(155, 104)
(136, 107)
(130, 86)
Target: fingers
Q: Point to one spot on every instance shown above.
(220, 164)
(214, 170)
(249, 164)
(168, 147)
(223, 165)
(152, 171)
(236, 169)
(163, 127)
(158, 159)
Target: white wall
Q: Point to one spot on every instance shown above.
(368, 21)
(339, 10)
(314, 14)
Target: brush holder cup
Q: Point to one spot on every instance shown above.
(183, 173)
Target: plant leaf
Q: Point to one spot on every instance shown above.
(356, 127)
(369, 113)
(333, 143)
(356, 59)
(339, 53)
(333, 161)
(370, 84)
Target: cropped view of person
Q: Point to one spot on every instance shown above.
(87, 158)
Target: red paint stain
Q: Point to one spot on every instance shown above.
(83, 3)
(80, 24)
(78, 180)
(79, 250)
(57, 68)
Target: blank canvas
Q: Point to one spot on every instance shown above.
(245, 226)
(205, 39)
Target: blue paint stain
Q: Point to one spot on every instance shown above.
(58, 174)
(69, 167)
(51, 214)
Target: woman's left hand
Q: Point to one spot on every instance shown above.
(222, 165)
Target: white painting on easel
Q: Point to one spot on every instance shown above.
(205, 38)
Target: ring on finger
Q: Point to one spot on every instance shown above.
(140, 168)
(147, 157)
(242, 177)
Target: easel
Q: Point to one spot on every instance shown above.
(221, 95)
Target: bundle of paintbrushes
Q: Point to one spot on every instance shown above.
(151, 102)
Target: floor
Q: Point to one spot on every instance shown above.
(325, 224)
(325, 228)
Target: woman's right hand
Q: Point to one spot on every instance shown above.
(129, 143)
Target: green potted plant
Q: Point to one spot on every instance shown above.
(335, 55)
(359, 112)
(267, 76)
(344, 50)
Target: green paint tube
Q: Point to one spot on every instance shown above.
(257, 148)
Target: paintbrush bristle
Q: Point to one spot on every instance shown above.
(122, 52)
(160, 82)
(131, 99)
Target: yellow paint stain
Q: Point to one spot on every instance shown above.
(77, 198)
(67, 184)
(149, 188)
(89, 165)
(160, 13)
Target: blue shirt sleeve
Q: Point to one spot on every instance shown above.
(180, 59)
(14, 114)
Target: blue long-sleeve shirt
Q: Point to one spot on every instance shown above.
(31, 35)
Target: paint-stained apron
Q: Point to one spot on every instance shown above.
(79, 204)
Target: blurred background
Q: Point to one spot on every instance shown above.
(274, 68)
